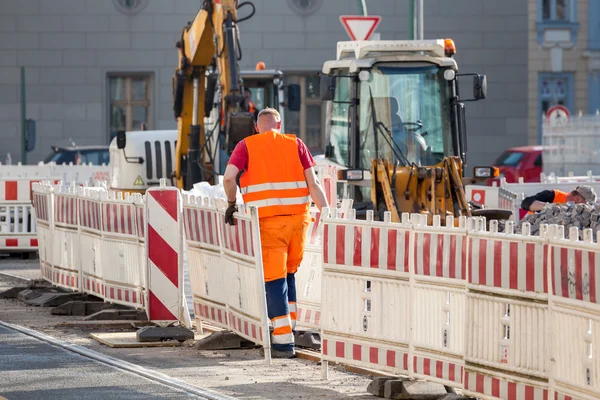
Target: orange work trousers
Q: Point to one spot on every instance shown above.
(283, 238)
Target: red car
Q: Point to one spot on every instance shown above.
(519, 162)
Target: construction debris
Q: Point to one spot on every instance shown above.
(581, 216)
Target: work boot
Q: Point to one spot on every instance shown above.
(279, 353)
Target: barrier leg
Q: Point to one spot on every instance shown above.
(325, 369)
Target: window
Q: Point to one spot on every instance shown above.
(509, 159)
(556, 10)
(557, 22)
(130, 99)
(307, 123)
(554, 89)
(413, 108)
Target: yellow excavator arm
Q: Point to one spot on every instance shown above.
(208, 51)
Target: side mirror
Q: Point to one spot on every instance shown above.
(293, 97)
(479, 87)
(30, 129)
(121, 140)
(486, 172)
(327, 88)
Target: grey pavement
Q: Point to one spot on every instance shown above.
(33, 369)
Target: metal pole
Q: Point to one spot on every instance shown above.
(195, 103)
(23, 119)
(362, 7)
(411, 19)
(419, 20)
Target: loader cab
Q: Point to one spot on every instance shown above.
(268, 89)
(397, 100)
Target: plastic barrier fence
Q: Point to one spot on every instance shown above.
(226, 269)
(498, 315)
(93, 240)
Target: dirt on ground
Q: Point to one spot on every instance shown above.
(238, 373)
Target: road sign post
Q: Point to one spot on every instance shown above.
(360, 27)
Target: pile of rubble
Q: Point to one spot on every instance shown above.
(582, 216)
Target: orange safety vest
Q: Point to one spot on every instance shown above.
(559, 197)
(274, 181)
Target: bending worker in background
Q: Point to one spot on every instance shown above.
(537, 202)
(278, 179)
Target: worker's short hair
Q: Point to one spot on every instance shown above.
(270, 111)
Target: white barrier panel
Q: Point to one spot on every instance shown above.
(66, 265)
(439, 293)
(575, 313)
(226, 269)
(309, 274)
(366, 294)
(507, 352)
(90, 240)
(44, 214)
(124, 272)
(308, 278)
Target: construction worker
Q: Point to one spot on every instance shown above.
(278, 179)
(537, 202)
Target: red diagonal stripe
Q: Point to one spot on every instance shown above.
(163, 256)
(158, 311)
(167, 199)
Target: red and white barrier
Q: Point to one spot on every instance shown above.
(164, 255)
(366, 294)
(508, 290)
(439, 264)
(226, 269)
(94, 241)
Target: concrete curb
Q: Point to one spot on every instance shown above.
(15, 276)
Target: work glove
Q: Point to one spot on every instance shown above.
(229, 214)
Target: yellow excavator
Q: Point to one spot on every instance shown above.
(209, 52)
(397, 128)
(209, 104)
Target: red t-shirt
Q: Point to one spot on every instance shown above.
(239, 156)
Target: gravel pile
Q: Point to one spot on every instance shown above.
(582, 216)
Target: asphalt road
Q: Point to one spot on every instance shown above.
(33, 369)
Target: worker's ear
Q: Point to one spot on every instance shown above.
(279, 125)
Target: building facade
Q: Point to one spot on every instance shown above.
(93, 67)
(564, 59)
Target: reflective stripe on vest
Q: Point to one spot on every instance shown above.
(274, 186)
(284, 201)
